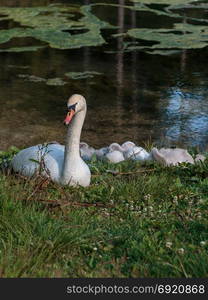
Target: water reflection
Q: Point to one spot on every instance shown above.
(186, 117)
(138, 96)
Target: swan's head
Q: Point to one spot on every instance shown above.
(75, 104)
(127, 145)
(115, 147)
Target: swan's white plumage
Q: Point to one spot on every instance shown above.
(126, 146)
(31, 160)
(114, 156)
(62, 164)
(169, 156)
(100, 153)
(137, 153)
(86, 151)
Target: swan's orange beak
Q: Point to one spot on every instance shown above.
(69, 117)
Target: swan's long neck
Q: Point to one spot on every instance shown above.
(72, 153)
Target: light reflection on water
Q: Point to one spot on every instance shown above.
(186, 117)
(138, 96)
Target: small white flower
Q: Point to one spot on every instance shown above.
(199, 215)
(181, 251)
(175, 200)
(95, 248)
(201, 201)
(203, 243)
(131, 207)
(168, 244)
(147, 197)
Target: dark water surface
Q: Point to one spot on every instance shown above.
(138, 96)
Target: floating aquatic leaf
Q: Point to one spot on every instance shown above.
(164, 52)
(52, 24)
(55, 81)
(172, 2)
(182, 36)
(31, 78)
(22, 49)
(81, 75)
(144, 5)
(51, 81)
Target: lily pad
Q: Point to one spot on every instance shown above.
(31, 78)
(55, 81)
(172, 2)
(50, 81)
(22, 49)
(182, 36)
(81, 75)
(52, 24)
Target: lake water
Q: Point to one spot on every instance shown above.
(134, 95)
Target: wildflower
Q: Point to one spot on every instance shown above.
(131, 207)
(175, 200)
(190, 202)
(199, 215)
(147, 197)
(201, 201)
(181, 251)
(168, 244)
(203, 243)
(95, 248)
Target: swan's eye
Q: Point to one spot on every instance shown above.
(72, 107)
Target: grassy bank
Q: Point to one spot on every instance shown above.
(133, 221)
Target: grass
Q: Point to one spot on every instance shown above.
(135, 220)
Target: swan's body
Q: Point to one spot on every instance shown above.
(115, 153)
(168, 156)
(100, 153)
(114, 156)
(137, 153)
(62, 164)
(126, 146)
(86, 151)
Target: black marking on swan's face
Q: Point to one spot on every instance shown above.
(72, 107)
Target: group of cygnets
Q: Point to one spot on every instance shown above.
(116, 153)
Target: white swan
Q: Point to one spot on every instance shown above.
(101, 152)
(86, 151)
(127, 146)
(115, 153)
(62, 164)
(168, 156)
